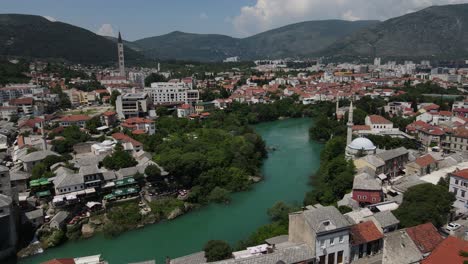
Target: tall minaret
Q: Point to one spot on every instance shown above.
(350, 124)
(120, 49)
(337, 107)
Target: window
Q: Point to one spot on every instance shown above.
(456, 181)
(322, 244)
(332, 241)
(341, 239)
(462, 193)
(455, 191)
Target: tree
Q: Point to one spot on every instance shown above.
(216, 250)
(153, 171)
(118, 160)
(280, 212)
(93, 124)
(219, 195)
(113, 97)
(154, 77)
(425, 203)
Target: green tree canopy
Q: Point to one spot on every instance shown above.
(118, 160)
(216, 250)
(425, 203)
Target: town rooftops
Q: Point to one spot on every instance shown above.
(461, 132)
(376, 119)
(393, 153)
(324, 219)
(461, 173)
(22, 101)
(364, 181)
(386, 219)
(399, 248)
(74, 118)
(364, 233)
(124, 138)
(425, 160)
(38, 155)
(425, 237)
(448, 251)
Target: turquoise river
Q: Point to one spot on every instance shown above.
(286, 173)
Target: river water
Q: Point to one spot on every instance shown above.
(286, 172)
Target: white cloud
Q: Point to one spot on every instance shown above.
(268, 14)
(51, 19)
(106, 30)
(203, 16)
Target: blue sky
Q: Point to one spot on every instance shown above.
(145, 18)
(136, 18)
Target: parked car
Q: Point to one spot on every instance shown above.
(452, 226)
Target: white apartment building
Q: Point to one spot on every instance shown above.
(172, 93)
(459, 186)
(132, 105)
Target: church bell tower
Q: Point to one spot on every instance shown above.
(120, 49)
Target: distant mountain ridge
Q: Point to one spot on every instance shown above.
(437, 32)
(36, 37)
(294, 40)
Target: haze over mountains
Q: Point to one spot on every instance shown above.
(439, 32)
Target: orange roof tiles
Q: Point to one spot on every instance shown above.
(448, 251)
(376, 119)
(361, 127)
(364, 233)
(461, 173)
(74, 118)
(425, 237)
(425, 160)
(125, 138)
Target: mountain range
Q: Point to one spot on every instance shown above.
(437, 32)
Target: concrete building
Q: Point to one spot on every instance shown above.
(459, 186)
(35, 157)
(7, 227)
(367, 189)
(74, 120)
(132, 105)
(456, 141)
(366, 240)
(378, 123)
(325, 229)
(172, 93)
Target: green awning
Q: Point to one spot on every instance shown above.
(125, 182)
(39, 182)
(124, 191)
(43, 194)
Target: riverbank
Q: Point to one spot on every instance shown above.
(286, 173)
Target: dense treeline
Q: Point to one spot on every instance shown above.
(335, 176)
(13, 73)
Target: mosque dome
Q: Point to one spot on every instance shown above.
(362, 143)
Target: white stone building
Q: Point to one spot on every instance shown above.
(172, 93)
(459, 186)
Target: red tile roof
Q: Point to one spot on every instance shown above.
(461, 173)
(425, 160)
(461, 132)
(376, 119)
(138, 132)
(431, 107)
(74, 118)
(425, 237)
(364, 233)
(448, 252)
(109, 113)
(125, 138)
(22, 101)
(361, 127)
(60, 261)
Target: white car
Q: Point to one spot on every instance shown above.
(452, 226)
